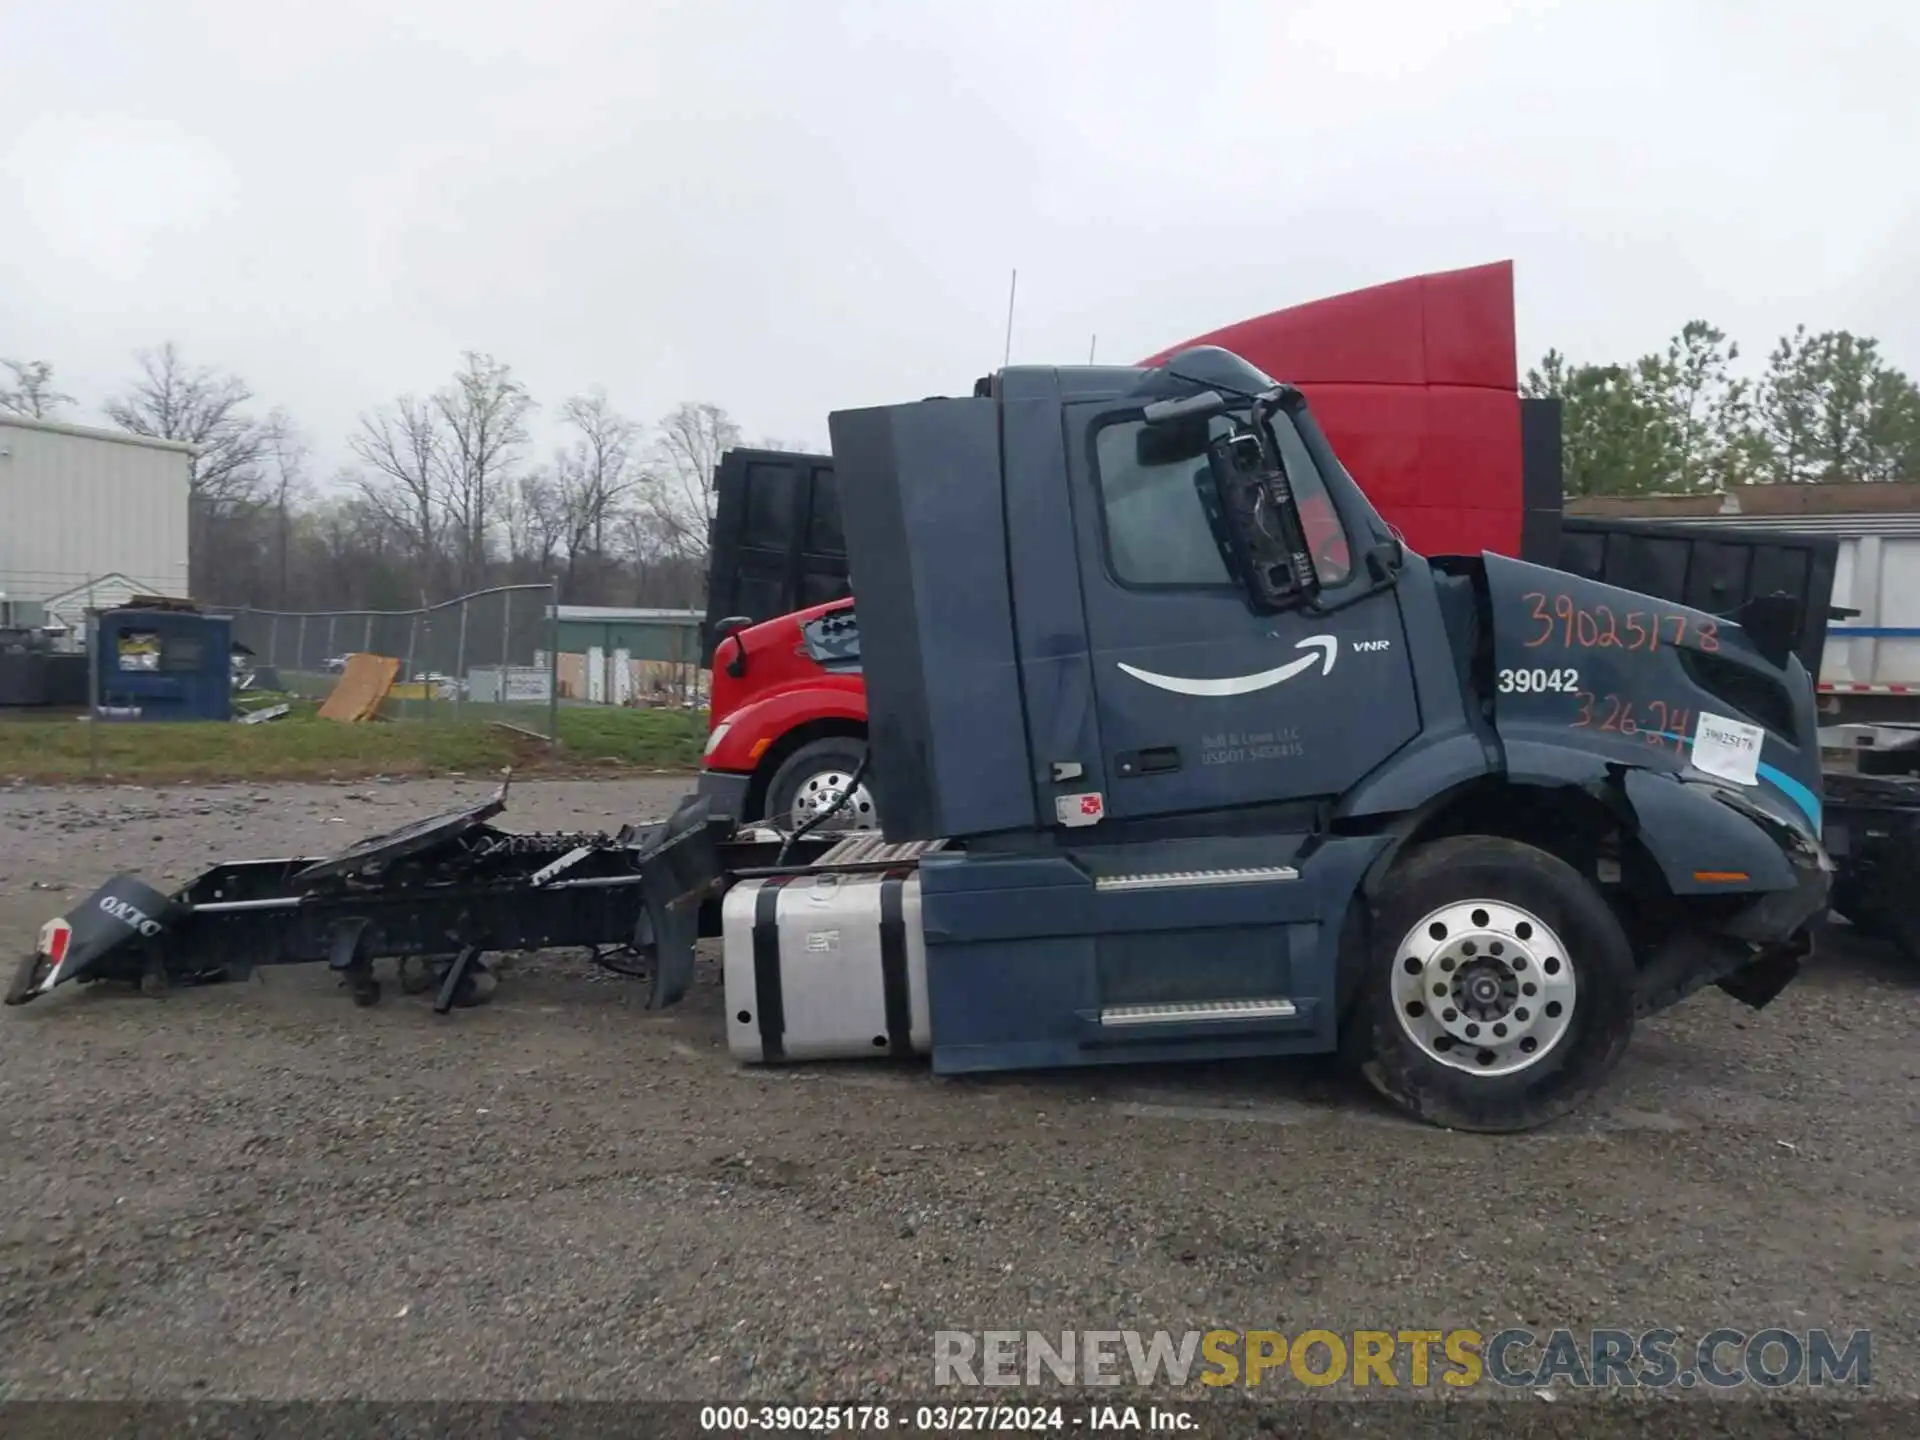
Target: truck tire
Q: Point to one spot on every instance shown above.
(1497, 988)
(811, 776)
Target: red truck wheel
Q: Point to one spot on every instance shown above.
(812, 777)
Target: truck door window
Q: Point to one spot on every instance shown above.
(1157, 532)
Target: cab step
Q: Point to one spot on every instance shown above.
(1198, 1011)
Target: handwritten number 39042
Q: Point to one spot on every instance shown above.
(1581, 628)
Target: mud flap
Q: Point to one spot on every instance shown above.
(676, 874)
(1760, 983)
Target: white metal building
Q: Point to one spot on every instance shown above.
(84, 508)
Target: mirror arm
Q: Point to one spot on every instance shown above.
(729, 629)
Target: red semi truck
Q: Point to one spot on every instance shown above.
(1415, 382)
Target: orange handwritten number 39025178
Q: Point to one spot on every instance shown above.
(1580, 627)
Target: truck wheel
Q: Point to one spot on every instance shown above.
(1499, 987)
(810, 779)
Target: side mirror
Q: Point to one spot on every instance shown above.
(1261, 521)
(729, 629)
(1187, 407)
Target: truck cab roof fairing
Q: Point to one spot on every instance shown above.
(1380, 366)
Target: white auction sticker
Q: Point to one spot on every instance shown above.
(1728, 748)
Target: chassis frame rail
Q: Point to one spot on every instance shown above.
(437, 896)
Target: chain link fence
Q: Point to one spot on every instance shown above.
(485, 656)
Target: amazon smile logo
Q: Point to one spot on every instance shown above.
(1324, 646)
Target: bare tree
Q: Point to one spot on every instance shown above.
(592, 479)
(287, 491)
(485, 413)
(31, 393)
(226, 484)
(206, 410)
(406, 451)
(680, 496)
(657, 574)
(534, 514)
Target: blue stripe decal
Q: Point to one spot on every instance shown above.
(1880, 632)
(1804, 799)
(1800, 795)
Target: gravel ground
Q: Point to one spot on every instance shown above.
(260, 1191)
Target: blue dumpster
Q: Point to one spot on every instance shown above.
(164, 665)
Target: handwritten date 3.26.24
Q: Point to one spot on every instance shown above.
(1660, 724)
(1597, 627)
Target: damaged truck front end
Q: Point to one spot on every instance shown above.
(1694, 739)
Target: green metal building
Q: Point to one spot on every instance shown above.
(614, 655)
(660, 635)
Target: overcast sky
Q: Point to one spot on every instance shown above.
(789, 206)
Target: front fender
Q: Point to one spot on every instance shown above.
(1706, 838)
(1703, 844)
(738, 742)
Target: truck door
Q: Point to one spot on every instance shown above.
(1203, 703)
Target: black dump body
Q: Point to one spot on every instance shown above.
(1708, 567)
(776, 544)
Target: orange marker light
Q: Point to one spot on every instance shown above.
(1720, 877)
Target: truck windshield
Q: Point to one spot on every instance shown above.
(1157, 528)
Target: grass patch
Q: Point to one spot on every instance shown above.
(303, 746)
(653, 739)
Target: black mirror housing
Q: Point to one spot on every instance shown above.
(1260, 523)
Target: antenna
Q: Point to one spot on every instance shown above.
(1013, 287)
(1092, 345)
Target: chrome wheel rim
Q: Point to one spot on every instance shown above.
(1484, 986)
(818, 792)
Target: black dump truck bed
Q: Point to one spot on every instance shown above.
(1709, 567)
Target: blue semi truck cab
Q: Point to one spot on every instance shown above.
(1182, 754)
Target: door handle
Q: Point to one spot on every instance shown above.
(1156, 760)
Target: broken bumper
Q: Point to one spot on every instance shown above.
(1757, 952)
